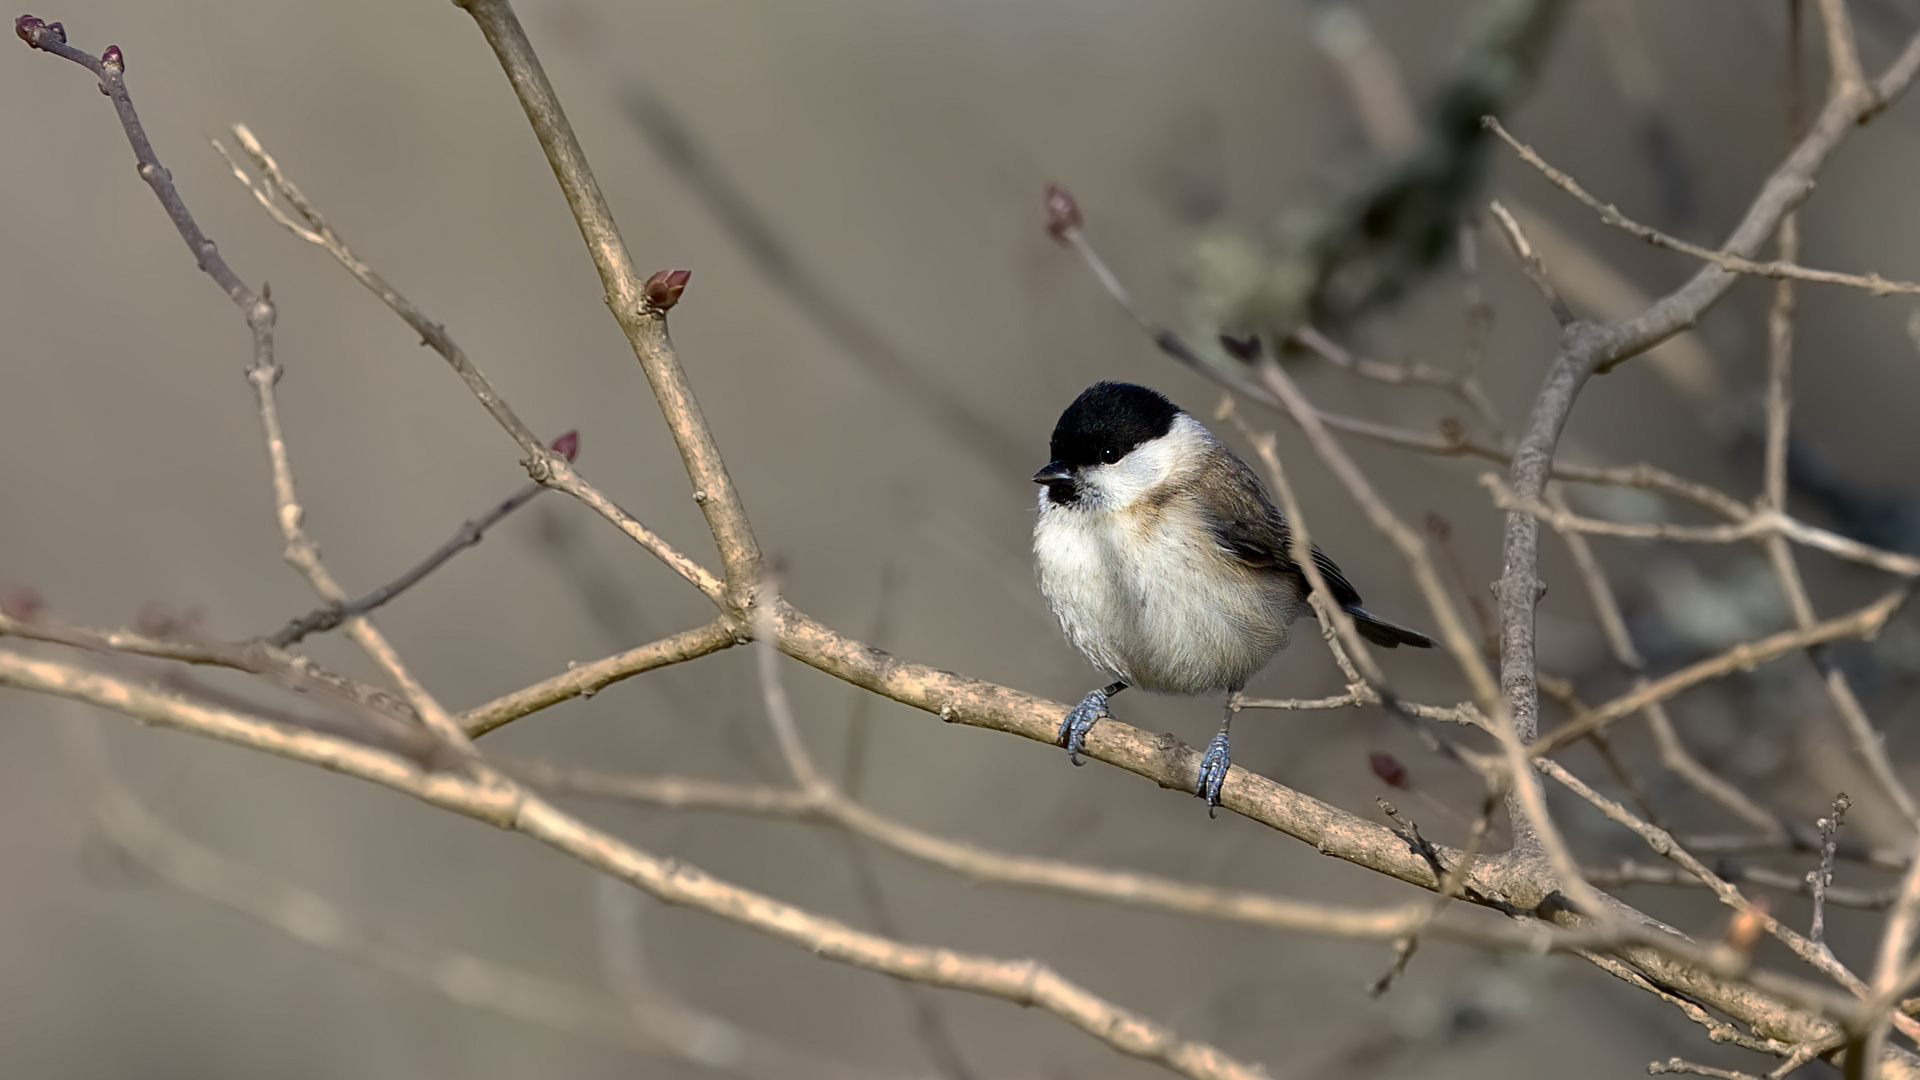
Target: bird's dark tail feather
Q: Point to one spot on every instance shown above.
(1385, 634)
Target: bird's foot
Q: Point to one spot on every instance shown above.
(1078, 721)
(1213, 772)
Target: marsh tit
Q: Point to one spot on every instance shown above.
(1167, 564)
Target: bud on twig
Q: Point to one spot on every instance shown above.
(567, 446)
(1388, 769)
(1063, 214)
(1245, 349)
(663, 289)
(113, 59)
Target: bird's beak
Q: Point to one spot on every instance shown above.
(1053, 471)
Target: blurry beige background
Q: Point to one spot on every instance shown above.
(900, 150)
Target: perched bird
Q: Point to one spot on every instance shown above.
(1166, 563)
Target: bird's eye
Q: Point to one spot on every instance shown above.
(1109, 454)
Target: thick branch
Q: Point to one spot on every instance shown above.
(492, 798)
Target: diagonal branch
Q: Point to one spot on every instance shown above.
(1782, 269)
(547, 466)
(497, 800)
(1863, 623)
(643, 320)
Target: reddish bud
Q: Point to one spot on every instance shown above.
(663, 289)
(21, 603)
(1063, 214)
(1388, 769)
(567, 446)
(1439, 526)
(113, 59)
(1245, 349)
(28, 27)
(58, 30)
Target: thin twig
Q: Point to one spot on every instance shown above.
(1777, 269)
(1586, 349)
(1532, 825)
(545, 465)
(1756, 525)
(1681, 1066)
(261, 374)
(1820, 882)
(299, 674)
(470, 533)
(1662, 843)
(499, 801)
(585, 680)
(1628, 872)
(1863, 623)
(1613, 626)
(650, 1025)
(641, 319)
(1530, 262)
(1336, 625)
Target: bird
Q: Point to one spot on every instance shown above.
(1167, 564)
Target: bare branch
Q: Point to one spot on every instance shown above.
(587, 679)
(491, 797)
(1673, 753)
(1864, 622)
(1778, 269)
(470, 533)
(1820, 882)
(650, 1025)
(1588, 348)
(1681, 1066)
(1530, 260)
(544, 464)
(1628, 872)
(644, 324)
(1758, 525)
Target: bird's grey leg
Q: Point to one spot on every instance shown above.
(1079, 720)
(1213, 766)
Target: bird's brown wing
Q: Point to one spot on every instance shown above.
(1249, 527)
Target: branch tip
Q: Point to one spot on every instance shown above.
(1063, 214)
(663, 289)
(33, 31)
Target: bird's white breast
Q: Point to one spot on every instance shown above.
(1143, 589)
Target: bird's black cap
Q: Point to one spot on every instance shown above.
(1109, 417)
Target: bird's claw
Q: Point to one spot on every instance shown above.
(1213, 772)
(1078, 721)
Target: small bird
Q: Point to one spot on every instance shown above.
(1167, 564)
